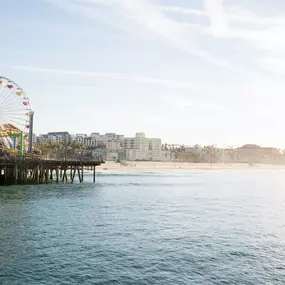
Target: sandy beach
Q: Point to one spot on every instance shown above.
(151, 166)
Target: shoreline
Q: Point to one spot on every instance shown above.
(150, 167)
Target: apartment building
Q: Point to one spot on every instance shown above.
(80, 138)
(113, 145)
(142, 148)
(54, 137)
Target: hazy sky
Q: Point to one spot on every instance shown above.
(200, 71)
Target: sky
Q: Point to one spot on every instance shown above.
(190, 72)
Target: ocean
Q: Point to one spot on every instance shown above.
(220, 227)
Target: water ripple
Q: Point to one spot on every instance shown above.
(198, 228)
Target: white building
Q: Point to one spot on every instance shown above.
(120, 138)
(111, 140)
(142, 148)
(80, 138)
(96, 136)
(90, 141)
(165, 155)
(34, 140)
(114, 145)
(56, 137)
(41, 138)
(108, 137)
(111, 136)
(154, 149)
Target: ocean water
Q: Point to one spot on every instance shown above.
(183, 228)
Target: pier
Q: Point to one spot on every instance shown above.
(38, 171)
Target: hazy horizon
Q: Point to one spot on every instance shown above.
(209, 72)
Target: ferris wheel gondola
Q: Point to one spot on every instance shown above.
(15, 115)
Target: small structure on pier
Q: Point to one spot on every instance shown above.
(16, 117)
(26, 170)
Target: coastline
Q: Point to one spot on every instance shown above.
(152, 166)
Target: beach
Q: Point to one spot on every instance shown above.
(153, 166)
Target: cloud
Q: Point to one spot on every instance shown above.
(141, 17)
(111, 76)
(274, 65)
(261, 35)
(184, 11)
(233, 14)
(218, 18)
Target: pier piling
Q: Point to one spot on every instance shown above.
(31, 171)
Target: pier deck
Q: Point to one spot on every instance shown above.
(35, 170)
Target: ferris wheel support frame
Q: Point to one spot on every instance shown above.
(31, 130)
(14, 142)
(21, 143)
(20, 135)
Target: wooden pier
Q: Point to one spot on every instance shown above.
(39, 171)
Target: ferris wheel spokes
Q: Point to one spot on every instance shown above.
(15, 115)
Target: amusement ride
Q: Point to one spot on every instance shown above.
(16, 118)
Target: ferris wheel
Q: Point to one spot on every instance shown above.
(15, 115)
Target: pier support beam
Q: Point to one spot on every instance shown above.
(57, 175)
(16, 173)
(73, 175)
(94, 174)
(79, 175)
(64, 176)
